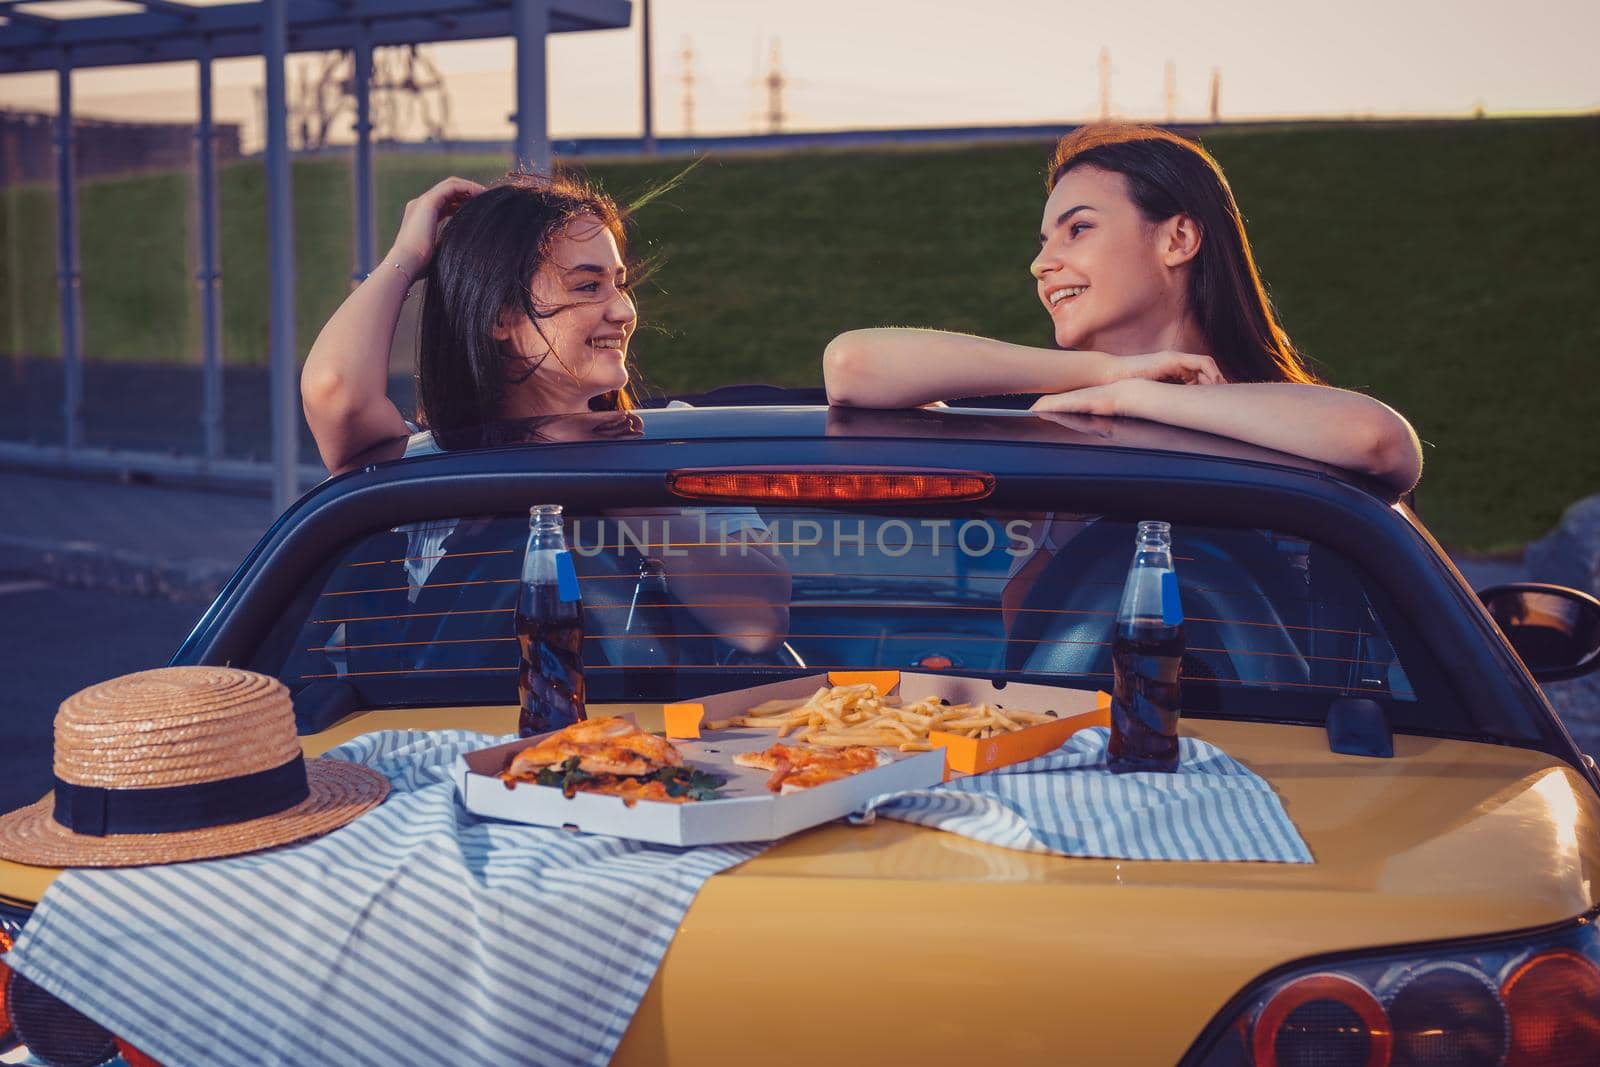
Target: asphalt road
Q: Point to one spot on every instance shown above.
(56, 641)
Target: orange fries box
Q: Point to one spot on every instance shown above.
(1072, 710)
(746, 810)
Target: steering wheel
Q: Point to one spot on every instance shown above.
(783, 655)
(1234, 582)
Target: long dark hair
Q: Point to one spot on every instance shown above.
(1171, 175)
(483, 265)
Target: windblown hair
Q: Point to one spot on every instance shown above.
(483, 266)
(1170, 175)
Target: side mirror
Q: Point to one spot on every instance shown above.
(1554, 629)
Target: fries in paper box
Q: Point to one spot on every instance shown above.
(979, 725)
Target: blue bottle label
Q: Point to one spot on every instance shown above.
(566, 577)
(1171, 603)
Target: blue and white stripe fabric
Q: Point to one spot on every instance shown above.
(1069, 803)
(417, 934)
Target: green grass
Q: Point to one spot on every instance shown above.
(1451, 270)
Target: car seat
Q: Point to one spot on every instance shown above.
(1235, 587)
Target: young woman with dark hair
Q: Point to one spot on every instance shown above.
(1147, 276)
(526, 312)
(525, 326)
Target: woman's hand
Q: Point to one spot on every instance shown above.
(419, 226)
(1318, 422)
(1110, 400)
(1182, 368)
(1121, 377)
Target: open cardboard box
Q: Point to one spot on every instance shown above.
(748, 811)
(1076, 708)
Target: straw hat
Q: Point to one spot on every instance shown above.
(182, 763)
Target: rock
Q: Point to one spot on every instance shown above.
(1570, 553)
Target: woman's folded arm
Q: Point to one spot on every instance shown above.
(1319, 422)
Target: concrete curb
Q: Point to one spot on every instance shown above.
(88, 565)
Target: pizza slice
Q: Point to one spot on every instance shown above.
(795, 767)
(608, 745)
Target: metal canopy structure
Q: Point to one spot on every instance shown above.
(166, 31)
(68, 35)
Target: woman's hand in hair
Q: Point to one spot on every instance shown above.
(419, 226)
(344, 385)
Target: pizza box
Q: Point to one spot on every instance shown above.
(1075, 709)
(747, 811)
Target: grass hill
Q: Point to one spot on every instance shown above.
(1449, 269)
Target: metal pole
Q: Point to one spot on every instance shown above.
(68, 278)
(530, 22)
(280, 254)
(365, 246)
(649, 82)
(209, 277)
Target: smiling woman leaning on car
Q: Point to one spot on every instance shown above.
(1146, 272)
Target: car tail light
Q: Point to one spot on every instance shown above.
(824, 485)
(54, 1031)
(5, 974)
(1516, 1001)
(132, 1056)
(1554, 1003)
(1326, 1019)
(1447, 1015)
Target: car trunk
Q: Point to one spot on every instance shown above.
(937, 949)
(928, 947)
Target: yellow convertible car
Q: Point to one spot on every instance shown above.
(1447, 916)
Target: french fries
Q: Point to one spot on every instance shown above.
(845, 715)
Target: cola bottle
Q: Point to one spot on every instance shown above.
(549, 628)
(651, 650)
(1146, 653)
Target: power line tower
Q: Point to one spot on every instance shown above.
(775, 83)
(1216, 94)
(1105, 84)
(1171, 92)
(409, 96)
(686, 80)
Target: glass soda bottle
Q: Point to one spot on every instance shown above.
(652, 647)
(1146, 653)
(549, 629)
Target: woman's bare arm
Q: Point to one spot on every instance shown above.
(344, 385)
(1319, 422)
(901, 368)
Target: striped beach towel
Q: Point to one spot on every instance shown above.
(417, 934)
(1068, 803)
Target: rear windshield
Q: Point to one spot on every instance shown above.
(1276, 627)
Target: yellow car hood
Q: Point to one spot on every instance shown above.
(894, 943)
(898, 944)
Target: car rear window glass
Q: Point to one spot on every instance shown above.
(1276, 626)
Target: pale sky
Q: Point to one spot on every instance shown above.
(854, 63)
